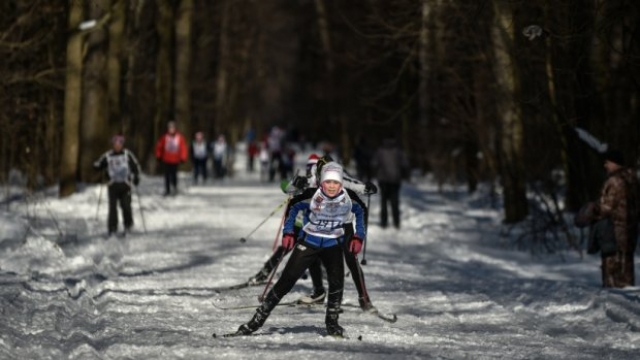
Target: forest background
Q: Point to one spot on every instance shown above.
(474, 90)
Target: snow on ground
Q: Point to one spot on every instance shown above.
(458, 292)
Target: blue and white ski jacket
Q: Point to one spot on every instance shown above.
(325, 217)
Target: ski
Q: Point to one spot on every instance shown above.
(390, 318)
(236, 334)
(241, 307)
(237, 286)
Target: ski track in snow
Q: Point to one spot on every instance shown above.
(458, 293)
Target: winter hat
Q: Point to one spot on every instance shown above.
(312, 160)
(615, 156)
(331, 171)
(117, 139)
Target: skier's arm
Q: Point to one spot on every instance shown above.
(358, 211)
(101, 163)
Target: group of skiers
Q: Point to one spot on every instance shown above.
(325, 221)
(171, 150)
(325, 224)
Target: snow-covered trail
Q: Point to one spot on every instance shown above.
(457, 293)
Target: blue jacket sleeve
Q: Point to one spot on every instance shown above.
(358, 211)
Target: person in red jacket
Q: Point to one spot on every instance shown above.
(171, 150)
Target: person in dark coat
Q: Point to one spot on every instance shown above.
(123, 172)
(619, 202)
(390, 167)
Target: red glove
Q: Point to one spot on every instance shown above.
(355, 245)
(288, 241)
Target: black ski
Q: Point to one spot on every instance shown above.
(236, 334)
(237, 286)
(241, 307)
(390, 318)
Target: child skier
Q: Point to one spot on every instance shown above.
(356, 189)
(297, 185)
(326, 209)
(122, 170)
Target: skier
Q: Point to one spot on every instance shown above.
(171, 150)
(326, 210)
(199, 157)
(315, 270)
(220, 157)
(296, 186)
(123, 170)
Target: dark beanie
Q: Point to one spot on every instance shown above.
(615, 156)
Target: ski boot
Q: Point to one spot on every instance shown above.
(259, 278)
(331, 321)
(261, 315)
(366, 305)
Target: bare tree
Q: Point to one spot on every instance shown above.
(183, 36)
(72, 102)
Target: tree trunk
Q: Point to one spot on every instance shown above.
(72, 102)
(94, 127)
(511, 138)
(114, 67)
(164, 68)
(223, 71)
(184, 20)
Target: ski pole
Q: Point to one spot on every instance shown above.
(273, 272)
(144, 224)
(244, 239)
(275, 240)
(366, 232)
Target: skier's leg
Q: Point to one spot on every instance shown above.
(332, 259)
(299, 261)
(112, 219)
(125, 204)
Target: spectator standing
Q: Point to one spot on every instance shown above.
(390, 166)
(619, 202)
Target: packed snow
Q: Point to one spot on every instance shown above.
(459, 289)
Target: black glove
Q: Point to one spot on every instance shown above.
(370, 188)
(300, 182)
(136, 180)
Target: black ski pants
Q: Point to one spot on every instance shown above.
(199, 169)
(170, 178)
(389, 193)
(301, 258)
(119, 192)
(315, 270)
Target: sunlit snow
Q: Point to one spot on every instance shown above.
(460, 291)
